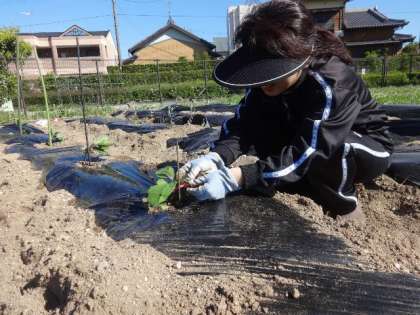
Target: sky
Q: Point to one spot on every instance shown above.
(140, 18)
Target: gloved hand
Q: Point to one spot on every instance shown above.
(200, 167)
(215, 185)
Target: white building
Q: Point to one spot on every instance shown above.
(235, 16)
(57, 51)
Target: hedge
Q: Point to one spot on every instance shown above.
(128, 86)
(118, 95)
(127, 78)
(392, 78)
(176, 66)
(8, 85)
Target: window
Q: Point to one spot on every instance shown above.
(85, 51)
(67, 52)
(90, 51)
(76, 31)
(44, 53)
(325, 19)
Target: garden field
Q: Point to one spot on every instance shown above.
(79, 238)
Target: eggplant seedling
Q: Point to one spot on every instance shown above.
(56, 137)
(101, 145)
(158, 195)
(168, 190)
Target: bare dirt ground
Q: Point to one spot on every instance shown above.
(56, 260)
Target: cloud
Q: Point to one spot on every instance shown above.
(26, 13)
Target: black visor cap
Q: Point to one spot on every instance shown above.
(248, 67)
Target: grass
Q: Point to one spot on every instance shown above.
(409, 94)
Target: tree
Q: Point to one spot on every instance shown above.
(411, 49)
(182, 59)
(201, 55)
(372, 61)
(8, 41)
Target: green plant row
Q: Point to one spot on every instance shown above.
(126, 78)
(177, 67)
(7, 85)
(118, 95)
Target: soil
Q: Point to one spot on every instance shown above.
(56, 260)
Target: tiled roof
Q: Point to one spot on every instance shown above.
(397, 38)
(162, 31)
(369, 18)
(404, 37)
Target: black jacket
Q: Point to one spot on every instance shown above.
(309, 121)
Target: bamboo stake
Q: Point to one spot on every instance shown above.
(82, 101)
(177, 166)
(47, 109)
(18, 87)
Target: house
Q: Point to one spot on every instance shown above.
(369, 30)
(328, 13)
(169, 44)
(361, 30)
(57, 51)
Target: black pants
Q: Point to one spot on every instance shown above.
(331, 183)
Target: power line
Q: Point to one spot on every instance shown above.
(175, 16)
(67, 21)
(119, 14)
(142, 2)
(405, 12)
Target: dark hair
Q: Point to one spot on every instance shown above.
(286, 28)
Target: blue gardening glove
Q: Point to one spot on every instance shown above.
(215, 185)
(200, 167)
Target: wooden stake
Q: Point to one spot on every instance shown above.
(45, 99)
(19, 99)
(82, 101)
(177, 165)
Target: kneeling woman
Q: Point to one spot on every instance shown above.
(307, 116)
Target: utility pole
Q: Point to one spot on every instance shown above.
(418, 44)
(170, 20)
(117, 35)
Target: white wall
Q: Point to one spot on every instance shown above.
(235, 15)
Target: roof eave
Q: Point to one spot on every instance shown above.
(375, 26)
(373, 43)
(162, 30)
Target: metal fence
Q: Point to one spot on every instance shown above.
(101, 82)
(70, 81)
(408, 64)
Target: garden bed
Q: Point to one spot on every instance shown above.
(242, 255)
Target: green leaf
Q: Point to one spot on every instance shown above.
(102, 144)
(159, 194)
(103, 141)
(166, 173)
(161, 182)
(57, 137)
